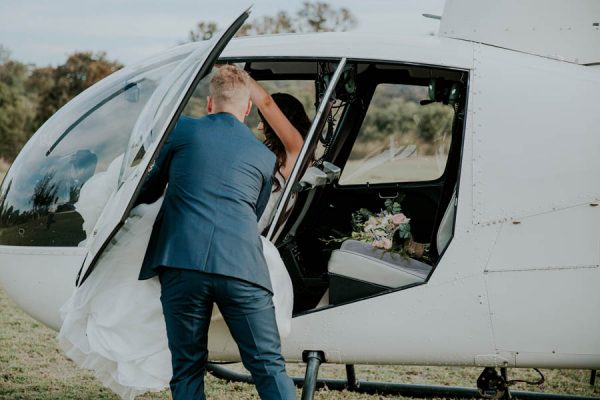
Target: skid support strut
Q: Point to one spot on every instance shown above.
(351, 377)
(313, 360)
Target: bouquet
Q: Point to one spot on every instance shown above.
(388, 229)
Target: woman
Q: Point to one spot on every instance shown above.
(284, 124)
(113, 323)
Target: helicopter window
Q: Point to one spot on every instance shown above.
(40, 198)
(400, 140)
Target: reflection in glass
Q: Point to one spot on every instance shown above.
(38, 199)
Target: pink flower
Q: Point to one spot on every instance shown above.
(387, 244)
(399, 219)
(378, 244)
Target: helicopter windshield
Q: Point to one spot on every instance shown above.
(40, 197)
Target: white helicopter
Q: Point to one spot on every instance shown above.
(497, 163)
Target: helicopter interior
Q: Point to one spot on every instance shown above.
(389, 131)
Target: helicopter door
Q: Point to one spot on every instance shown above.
(156, 120)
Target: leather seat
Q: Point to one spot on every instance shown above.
(358, 270)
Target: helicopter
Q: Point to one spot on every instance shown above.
(490, 144)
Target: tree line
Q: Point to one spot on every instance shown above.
(29, 95)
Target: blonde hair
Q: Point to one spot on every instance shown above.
(229, 86)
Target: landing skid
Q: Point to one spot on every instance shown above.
(385, 388)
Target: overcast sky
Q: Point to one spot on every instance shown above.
(45, 31)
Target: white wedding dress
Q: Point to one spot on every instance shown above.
(113, 323)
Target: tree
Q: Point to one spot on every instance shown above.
(280, 23)
(320, 17)
(29, 96)
(16, 108)
(55, 87)
(311, 17)
(14, 118)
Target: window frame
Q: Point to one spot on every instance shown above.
(351, 138)
(386, 148)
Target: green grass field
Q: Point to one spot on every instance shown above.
(33, 367)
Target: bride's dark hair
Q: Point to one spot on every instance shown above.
(294, 111)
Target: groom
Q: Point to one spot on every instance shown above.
(205, 245)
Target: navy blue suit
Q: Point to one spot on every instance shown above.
(206, 247)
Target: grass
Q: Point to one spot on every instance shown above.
(32, 367)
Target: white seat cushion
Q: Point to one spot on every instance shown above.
(446, 228)
(361, 261)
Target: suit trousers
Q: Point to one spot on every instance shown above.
(187, 298)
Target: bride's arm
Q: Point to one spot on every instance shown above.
(287, 133)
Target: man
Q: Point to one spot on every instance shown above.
(205, 244)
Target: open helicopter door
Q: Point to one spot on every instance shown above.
(150, 131)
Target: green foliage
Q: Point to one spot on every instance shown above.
(59, 85)
(433, 119)
(17, 108)
(359, 217)
(393, 205)
(29, 95)
(396, 114)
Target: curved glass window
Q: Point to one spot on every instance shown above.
(85, 140)
(161, 107)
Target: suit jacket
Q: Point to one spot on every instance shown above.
(219, 180)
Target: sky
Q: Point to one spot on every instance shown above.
(44, 32)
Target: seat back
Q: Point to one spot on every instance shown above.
(446, 227)
(358, 269)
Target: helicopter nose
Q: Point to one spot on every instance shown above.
(40, 279)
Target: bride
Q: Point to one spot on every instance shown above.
(113, 324)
